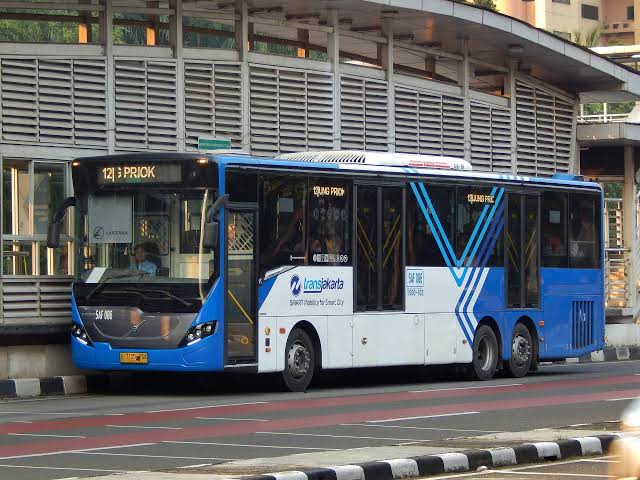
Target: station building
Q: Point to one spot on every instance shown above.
(95, 77)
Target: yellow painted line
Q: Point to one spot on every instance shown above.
(240, 307)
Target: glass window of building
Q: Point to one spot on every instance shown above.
(31, 191)
(590, 12)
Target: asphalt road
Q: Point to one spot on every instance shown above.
(165, 422)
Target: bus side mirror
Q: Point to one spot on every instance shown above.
(53, 234)
(55, 225)
(210, 237)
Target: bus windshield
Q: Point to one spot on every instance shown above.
(148, 236)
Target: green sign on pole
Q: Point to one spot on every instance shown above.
(206, 144)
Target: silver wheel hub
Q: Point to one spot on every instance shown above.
(298, 360)
(485, 354)
(520, 350)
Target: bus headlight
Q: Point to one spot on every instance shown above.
(80, 334)
(197, 333)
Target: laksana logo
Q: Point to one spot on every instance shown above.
(314, 285)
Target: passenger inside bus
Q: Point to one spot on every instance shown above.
(141, 262)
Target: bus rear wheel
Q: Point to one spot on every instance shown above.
(485, 353)
(299, 361)
(521, 351)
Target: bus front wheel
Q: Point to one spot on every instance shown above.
(299, 361)
(485, 353)
(521, 351)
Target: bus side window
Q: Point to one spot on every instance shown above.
(422, 248)
(475, 207)
(584, 231)
(554, 230)
(282, 222)
(242, 186)
(329, 239)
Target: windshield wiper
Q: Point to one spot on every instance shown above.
(134, 273)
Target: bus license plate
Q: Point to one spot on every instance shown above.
(134, 357)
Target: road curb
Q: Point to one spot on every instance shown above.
(35, 387)
(455, 462)
(77, 384)
(610, 354)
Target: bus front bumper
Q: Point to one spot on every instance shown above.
(201, 356)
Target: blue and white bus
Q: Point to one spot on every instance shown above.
(330, 260)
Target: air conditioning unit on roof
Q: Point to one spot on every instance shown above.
(379, 158)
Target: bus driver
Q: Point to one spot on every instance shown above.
(141, 263)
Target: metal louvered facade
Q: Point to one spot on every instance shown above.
(165, 104)
(545, 130)
(54, 101)
(429, 122)
(291, 110)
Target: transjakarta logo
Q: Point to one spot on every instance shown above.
(295, 285)
(315, 285)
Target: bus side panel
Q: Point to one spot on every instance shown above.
(573, 312)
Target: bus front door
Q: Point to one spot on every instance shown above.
(240, 278)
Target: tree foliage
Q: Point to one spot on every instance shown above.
(588, 39)
(489, 4)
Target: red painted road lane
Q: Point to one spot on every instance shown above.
(142, 418)
(243, 428)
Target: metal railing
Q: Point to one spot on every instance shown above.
(603, 118)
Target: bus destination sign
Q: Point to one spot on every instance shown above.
(139, 174)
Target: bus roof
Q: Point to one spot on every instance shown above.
(240, 158)
(564, 180)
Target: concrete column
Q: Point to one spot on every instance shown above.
(466, 71)
(387, 65)
(511, 91)
(242, 43)
(629, 220)
(333, 51)
(177, 42)
(106, 38)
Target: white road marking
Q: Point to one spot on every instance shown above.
(248, 446)
(412, 440)
(67, 468)
(111, 454)
(61, 452)
(466, 388)
(420, 428)
(205, 406)
(75, 414)
(234, 419)
(600, 461)
(620, 399)
(196, 466)
(20, 421)
(401, 419)
(113, 414)
(548, 474)
(144, 426)
(44, 435)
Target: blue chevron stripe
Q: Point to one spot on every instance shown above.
(481, 225)
(497, 228)
(476, 228)
(494, 231)
(431, 226)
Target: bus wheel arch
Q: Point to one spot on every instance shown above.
(302, 357)
(485, 350)
(490, 321)
(523, 348)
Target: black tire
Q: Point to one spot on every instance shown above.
(299, 361)
(521, 357)
(485, 354)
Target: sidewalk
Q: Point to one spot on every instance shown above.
(406, 461)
